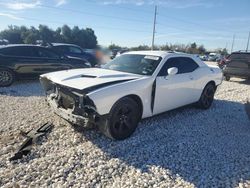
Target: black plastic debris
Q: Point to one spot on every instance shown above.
(31, 137)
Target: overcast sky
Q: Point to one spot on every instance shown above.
(129, 23)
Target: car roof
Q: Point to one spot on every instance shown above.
(19, 45)
(64, 44)
(153, 53)
(162, 54)
(248, 53)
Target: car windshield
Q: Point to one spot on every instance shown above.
(134, 63)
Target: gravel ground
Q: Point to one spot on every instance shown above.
(187, 147)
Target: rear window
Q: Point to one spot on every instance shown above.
(240, 56)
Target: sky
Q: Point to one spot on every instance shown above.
(211, 23)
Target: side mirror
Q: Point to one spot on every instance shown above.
(172, 71)
(63, 57)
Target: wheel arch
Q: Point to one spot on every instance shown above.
(211, 82)
(7, 68)
(137, 99)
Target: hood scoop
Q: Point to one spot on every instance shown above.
(114, 76)
(79, 76)
(87, 76)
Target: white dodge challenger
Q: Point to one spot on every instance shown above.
(134, 86)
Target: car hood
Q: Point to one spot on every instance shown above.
(89, 77)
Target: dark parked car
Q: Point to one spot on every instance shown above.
(72, 50)
(237, 65)
(29, 61)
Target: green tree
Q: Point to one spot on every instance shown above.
(114, 47)
(66, 34)
(31, 36)
(46, 34)
(12, 34)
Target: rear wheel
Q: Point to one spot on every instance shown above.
(7, 77)
(207, 96)
(123, 119)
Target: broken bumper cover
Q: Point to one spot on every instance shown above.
(67, 114)
(70, 104)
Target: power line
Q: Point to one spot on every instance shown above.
(169, 17)
(94, 14)
(121, 7)
(102, 27)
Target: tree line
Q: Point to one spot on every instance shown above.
(192, 48)
(85, 38)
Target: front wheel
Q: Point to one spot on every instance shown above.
(7, 77)
(207, 96)
(123, 119)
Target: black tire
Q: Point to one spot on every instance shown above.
(227, 78)
(207, 96)
(7, 77)
(123, 119)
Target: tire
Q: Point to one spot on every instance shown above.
(7, 77)
(123, 119)
(227, 78)
(207, 96)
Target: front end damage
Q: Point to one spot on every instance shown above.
(70, 104)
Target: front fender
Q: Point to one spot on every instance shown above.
(105, 98)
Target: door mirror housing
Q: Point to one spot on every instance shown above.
(63, 57)
(172, 71)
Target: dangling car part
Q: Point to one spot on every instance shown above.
(31, 137)
(133, 86)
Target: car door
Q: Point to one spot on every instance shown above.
(173, 91)
(50, 61)
(24, 59)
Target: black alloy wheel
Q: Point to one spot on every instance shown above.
(123, 120)
(207, 96)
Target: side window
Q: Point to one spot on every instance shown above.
(41, 52)
(184, 65)
(238, 64)
(21, 51)
(75, 50)
(6, 51)
(60, 49)
(172, 62)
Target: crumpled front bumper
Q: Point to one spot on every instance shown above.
(67, 114)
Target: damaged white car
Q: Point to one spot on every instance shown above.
(134, 86)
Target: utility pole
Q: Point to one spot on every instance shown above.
(248, 41)
(153, 39)
(233, 43)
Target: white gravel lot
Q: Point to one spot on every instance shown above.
(187, 147)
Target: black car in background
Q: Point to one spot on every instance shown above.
(237, 65)
(72, 50)
(29, 61)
